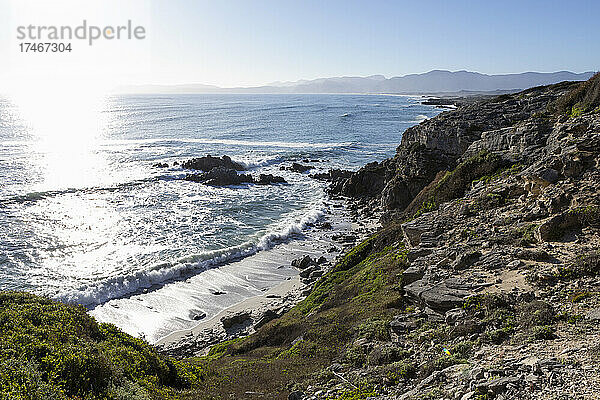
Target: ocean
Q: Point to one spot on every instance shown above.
(89, 218)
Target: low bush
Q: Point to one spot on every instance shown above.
(52, 350)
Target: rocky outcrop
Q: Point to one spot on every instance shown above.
(229, 321)
(368, 181)
(221, 176)
(311, 268)
(485, 288)
(440, 297)
(332, 175)
(209, 162)
(296, 167)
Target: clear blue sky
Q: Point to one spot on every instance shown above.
(242, 42)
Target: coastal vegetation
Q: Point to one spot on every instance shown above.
(50, 350)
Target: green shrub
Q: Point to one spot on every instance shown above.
(363, 391)
(579, 296)
(576, 111)
(542, 332)
(527, 234)
(583, 98)
(374, 329)
(53, 350)
(356, 356)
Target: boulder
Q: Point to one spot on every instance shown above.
(268, 179)
(395, 195)
(498, 385)
(332, 175)
(411, 274)
(440, 297)
(296, 167)
(402, 324)
(209, 162)
(229, 321)
(268, 316)
(221, 176)
(413, 254)
(554, 228)
(465, 260)
(303, 262)
(197, 315)
(368, 181)
(455, 315)
(305, 273)
(316, 274)
(297, 395)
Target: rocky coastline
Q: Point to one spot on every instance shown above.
(483, 281)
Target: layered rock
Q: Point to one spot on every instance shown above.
(510, 124)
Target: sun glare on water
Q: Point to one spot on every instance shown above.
(65, 122)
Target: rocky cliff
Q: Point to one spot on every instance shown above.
(514, 124)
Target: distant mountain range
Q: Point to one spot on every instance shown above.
(433, 82)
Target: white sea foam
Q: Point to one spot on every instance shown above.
(108, 289)
(258, 162)
(272, 238)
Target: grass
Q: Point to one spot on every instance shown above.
(364, 391)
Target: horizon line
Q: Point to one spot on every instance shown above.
(306, 80)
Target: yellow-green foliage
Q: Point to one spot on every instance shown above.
(51, 350)
(526, 234)
(426, 206)
(576, 111)
(361, 392)
(512, 170)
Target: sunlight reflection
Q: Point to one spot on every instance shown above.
(66, 121)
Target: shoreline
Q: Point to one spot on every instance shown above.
(244, 317)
